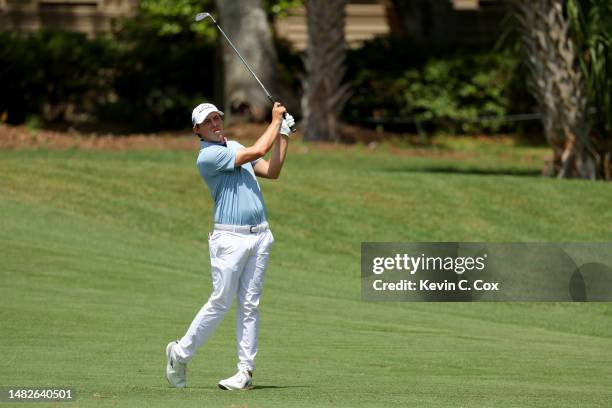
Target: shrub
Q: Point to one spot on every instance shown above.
(147, 76)
(461, 94)
(55, 75)
(158, 77)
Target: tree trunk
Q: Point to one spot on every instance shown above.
(246, 24)
(558, 86)
(324, 95)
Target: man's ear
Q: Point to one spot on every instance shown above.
(195, 129)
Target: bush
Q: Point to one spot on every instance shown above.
(150, 74)
(166, 64)
(55, 75)
(147, 76)
(460, 93)
(159, 78)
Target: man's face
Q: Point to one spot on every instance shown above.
(211, 128)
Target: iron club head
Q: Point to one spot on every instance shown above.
(202, 16)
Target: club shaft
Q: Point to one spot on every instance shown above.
(246, 64)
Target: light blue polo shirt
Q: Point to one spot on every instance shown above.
(235, 190)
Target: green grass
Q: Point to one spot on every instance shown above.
(103, 260)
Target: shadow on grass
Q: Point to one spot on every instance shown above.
(255, 388)
(267, 387)
(472, 171)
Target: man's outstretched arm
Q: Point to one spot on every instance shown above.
(265, 141)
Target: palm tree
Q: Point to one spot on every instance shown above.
(324, 95)
(592, 31)
(558, 85)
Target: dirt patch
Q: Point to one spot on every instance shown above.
(353, 137)
(19, 137)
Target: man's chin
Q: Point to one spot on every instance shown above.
(216, 137)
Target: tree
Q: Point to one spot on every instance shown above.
(324, 95)
(558, 86)
(245, 22)
(592, 31)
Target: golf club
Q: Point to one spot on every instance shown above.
(201, 16)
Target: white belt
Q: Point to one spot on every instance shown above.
(244, 229)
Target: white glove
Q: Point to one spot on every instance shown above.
(286, 124)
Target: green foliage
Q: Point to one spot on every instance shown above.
(173, 17)
(280, 8)
(146, 76)
(52, 73)
(161, 71)
(592, 31)
(158, 65)
(33, 124)
(463, 94)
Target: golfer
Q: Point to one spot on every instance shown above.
(240, 242)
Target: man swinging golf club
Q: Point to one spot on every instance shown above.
(240, 242)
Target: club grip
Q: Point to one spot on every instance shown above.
(293, 128)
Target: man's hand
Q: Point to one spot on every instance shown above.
(277, 112)
(286, 125)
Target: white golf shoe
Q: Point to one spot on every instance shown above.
(176, 372)
(242, 380)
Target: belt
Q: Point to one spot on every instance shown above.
(244, 229)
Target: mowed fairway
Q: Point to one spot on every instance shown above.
(104, 259)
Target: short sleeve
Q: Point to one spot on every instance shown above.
(219, 158)
(238, 146)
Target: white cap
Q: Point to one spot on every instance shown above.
(201, 112)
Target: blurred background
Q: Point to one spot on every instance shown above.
(350, 71)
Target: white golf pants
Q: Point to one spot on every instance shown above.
(238, 263)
